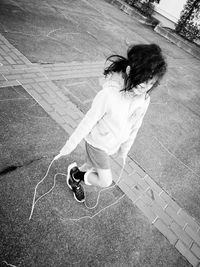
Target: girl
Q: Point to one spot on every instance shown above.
(116, 114)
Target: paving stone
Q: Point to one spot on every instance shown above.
(146, 210)
(68, 128)
(49, 91)
(153, 184)
(73, 75)
(136, 191)
(48, 98)
(20, 66)
(2, 52)
(191, 222)
(13, 55)
(28, 87)
(32, 70)
(129, 169)
(145, 186)
(41, 79)
(61, 95)
(8, 83)
(18, 62)
(176, 217)
(45, 105)
(5, 48)
(147, 200)
(161, 213)
(10, 60)
(75, 115)
(2, 78)
(24, 59)
(69, 120)
(164, 229)
(170, 201)
(57, 117)
(61, 110)
(11, 77)
(60, 102)
(40, 75)
(33, 93)
(137, 168)
(29, 75)
(76, 68)
(196, 250)
(193, 234)
(24, 81)
(181, 234)
(132, 180)
(155, 196)
(38, 88)
(16, 71)
(187, 253)
(16, 51)
(127, 190)
(52, 86)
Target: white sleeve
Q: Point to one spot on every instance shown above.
(95, 113)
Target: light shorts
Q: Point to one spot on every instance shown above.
(96, 157)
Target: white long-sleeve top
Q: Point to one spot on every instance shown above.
(112, 121)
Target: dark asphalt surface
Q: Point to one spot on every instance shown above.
(167, 146)
(61, 231)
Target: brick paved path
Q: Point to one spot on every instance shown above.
(166, 215)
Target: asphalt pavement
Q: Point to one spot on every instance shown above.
(67, 44)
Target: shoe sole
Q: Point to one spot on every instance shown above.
(71, 166)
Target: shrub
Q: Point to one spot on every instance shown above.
(186, 26)
(147, 8)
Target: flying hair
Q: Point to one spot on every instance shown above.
(146, 61)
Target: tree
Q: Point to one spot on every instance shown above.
(185, 24)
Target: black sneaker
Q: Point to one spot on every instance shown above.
(73, 184)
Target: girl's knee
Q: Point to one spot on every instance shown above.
(105, 177)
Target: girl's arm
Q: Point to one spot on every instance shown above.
(96, 112)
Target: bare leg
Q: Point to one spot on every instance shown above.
(93, 179)
(102, 178)
(86, 167)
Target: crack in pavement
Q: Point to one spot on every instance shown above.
(12, 168)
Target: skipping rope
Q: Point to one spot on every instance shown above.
(90, 208)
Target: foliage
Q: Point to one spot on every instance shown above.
(186, 25)
(146, 7)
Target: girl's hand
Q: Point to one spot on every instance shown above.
(63, 152)
(122, 155)
(57, 157)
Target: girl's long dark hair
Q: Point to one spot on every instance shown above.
(145, 60)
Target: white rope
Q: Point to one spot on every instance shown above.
(34, 202)
(90, 208)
